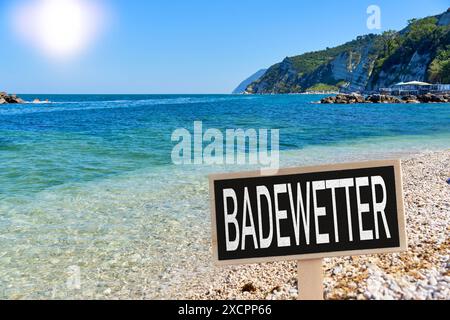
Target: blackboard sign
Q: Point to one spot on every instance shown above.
(308, 213)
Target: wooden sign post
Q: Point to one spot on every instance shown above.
(307, 214)
(310, 279)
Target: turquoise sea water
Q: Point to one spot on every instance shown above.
(87, 182)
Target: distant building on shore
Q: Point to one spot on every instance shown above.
(415, 88)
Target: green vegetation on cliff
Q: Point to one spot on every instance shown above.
(419, 52)
(309, 62)
(422, 38)
(439, 70)
(322, 87)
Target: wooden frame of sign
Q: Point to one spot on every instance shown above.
(386, 236)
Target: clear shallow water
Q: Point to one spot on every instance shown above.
(87, 181)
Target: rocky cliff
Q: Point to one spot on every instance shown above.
(419, 52)
(244, 84)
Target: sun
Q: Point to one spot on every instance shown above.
(59, 28)
(62, 26)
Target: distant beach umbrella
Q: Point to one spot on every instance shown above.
(448, 180)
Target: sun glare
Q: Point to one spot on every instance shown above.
(59, 28)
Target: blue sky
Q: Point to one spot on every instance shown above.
(194, 46)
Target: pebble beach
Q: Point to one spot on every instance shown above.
(100, 212)
(421, 273)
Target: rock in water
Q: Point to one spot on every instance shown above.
(344, 99)
(5, 98)
(410, 99)
(382, 98)
(433, 98)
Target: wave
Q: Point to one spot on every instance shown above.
(61, 106)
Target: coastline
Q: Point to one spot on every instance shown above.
(131, 172)
(122, 229)
(423, 272)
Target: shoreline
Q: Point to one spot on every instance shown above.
(157, 248)
(356, 98)
(423, 272)
(188, 273)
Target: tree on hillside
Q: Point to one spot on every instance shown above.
(439, 70)
(391, 41)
